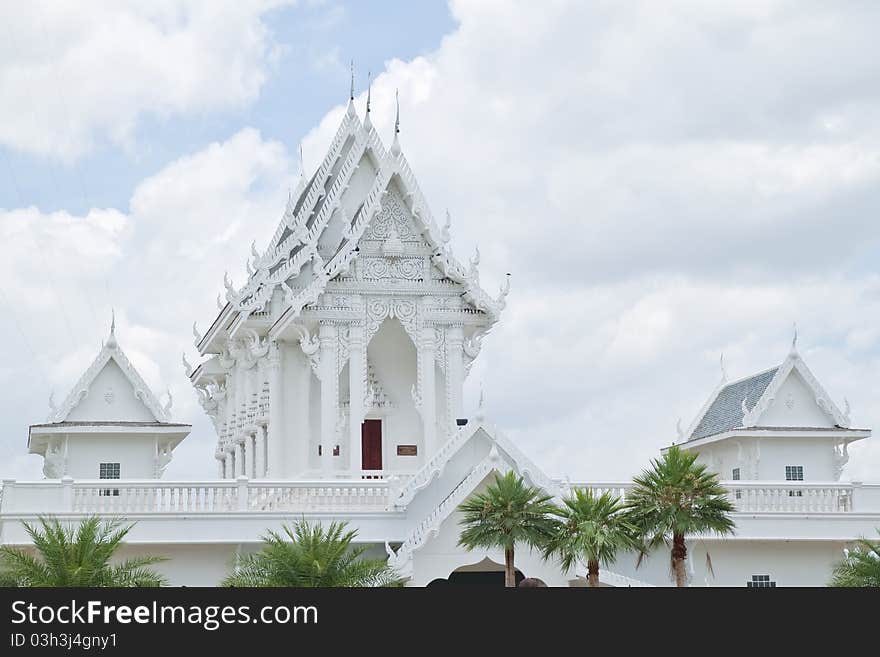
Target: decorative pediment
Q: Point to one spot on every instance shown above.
(114, 390)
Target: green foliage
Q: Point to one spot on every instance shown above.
(590, 527)
(678, 497)
(310, 556)
(860, 567)
(76, 556)
(507, 513)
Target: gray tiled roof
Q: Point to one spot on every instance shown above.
(725, 413)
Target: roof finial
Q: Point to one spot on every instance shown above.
(481, 407)
(794, 340)
(351, 111)
(368, 123)
(395, 146)
(111, 341)
(302, 162)
(723, 369)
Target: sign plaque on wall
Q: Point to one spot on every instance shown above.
(407, 450)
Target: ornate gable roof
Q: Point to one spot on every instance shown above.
(318, 235)
(741, 404)
(110, 352)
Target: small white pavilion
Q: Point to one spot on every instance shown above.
(110, 426)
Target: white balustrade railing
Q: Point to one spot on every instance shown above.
(775, 496)
(125, 496)
(431, 524)
(370, 491)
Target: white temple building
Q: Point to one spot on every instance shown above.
(334, 379)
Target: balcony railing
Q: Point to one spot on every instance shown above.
(780, 496)
(224, 496)
(366, 491)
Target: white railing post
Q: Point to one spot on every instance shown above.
(7, 495)
(67, 493)
(242, 493)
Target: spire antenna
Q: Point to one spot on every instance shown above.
(111, 340)
(302, 163)
(395, 146)
(794, 339)
(368, 124)
(351, 87)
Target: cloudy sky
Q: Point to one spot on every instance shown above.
(664, 181)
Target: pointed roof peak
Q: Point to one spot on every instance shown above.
(351, 109)
(395, 146)
(368, 124)
(111, 339)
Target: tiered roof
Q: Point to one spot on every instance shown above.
(318, 235)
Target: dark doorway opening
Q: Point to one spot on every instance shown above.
(371, 445)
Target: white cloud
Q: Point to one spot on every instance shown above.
(73, 74)
(665, 182)
(160, 264)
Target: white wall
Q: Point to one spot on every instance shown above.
(813, 453)
(789, 563)
(134, 452)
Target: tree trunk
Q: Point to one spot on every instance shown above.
(593, 573)
(509, 570)
(679, 555)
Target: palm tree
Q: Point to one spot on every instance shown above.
(860, 566)
(591, 528)
(310, 556)
(506, 513)
(76, 556)
(675, 498)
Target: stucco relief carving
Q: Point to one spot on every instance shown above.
(393, 212)
(53, 461)
(407, 268)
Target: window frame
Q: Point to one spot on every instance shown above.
(108, 471)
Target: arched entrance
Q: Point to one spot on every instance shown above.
(485, 573)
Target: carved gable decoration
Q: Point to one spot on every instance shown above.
(394, 217)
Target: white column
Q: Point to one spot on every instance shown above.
(260, 453)
(240, 460)
(428, 394)
(229, 464)
(329, 337)
(454, 371)
(275, 437)
(356, 377)
(249, 470)
(221, 467)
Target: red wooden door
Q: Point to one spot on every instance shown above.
(371, 445)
